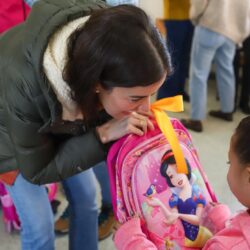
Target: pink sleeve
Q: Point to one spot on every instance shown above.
(130, 237)
(214, 217)
(213, 245)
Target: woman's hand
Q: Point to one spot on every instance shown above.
(135, 123)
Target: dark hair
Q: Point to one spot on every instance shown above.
(169, 160)
(116, 47)
(242, 138)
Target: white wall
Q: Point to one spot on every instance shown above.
(154, 8)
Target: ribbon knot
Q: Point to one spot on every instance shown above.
(159, 108)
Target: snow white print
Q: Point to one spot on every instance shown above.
(186, 202)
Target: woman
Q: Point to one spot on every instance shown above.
(74, 78)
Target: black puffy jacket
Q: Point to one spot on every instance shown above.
(31, 139)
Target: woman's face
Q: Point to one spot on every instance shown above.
(238, 177)
(120, 102)
(177, 179)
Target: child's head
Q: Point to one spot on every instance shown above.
(239, 156)
(169, 170)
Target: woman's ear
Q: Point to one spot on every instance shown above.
(97, 88)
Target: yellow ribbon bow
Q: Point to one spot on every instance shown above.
(173, 104)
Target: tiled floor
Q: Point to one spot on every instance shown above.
(212, 146)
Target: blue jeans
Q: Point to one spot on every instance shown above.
(210, 46)
(101, 173)
(35, 213)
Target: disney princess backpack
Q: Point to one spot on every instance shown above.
(157, 176)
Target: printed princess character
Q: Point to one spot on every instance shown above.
(186, 204)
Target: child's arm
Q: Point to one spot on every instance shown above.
(129, 236)
(215, 216)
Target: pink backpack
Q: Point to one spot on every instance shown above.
(145, 182)
(12, 12)
(9, 214)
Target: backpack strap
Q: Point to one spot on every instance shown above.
(173, 104)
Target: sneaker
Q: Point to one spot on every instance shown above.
(62, 224)
(222, 115)
(106, 222)
(194, 125)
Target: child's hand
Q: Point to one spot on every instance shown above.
(214, 216)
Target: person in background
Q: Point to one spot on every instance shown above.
(237, 64)
(245, 84)
(220, 25)
(229, 232)
(65, 97)
(179, 33)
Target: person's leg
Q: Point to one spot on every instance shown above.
(188, 29)
(225, 75)
(245, 91)
(205, 43)
(35, 214)
(81, 194)
(175, 40)
(106, 218)
(237, 67)
(101, 172)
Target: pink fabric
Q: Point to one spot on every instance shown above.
(130, 237)
(9, 214)
(235, 236)
(112, 155)
(215, 216)
(12, 12)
